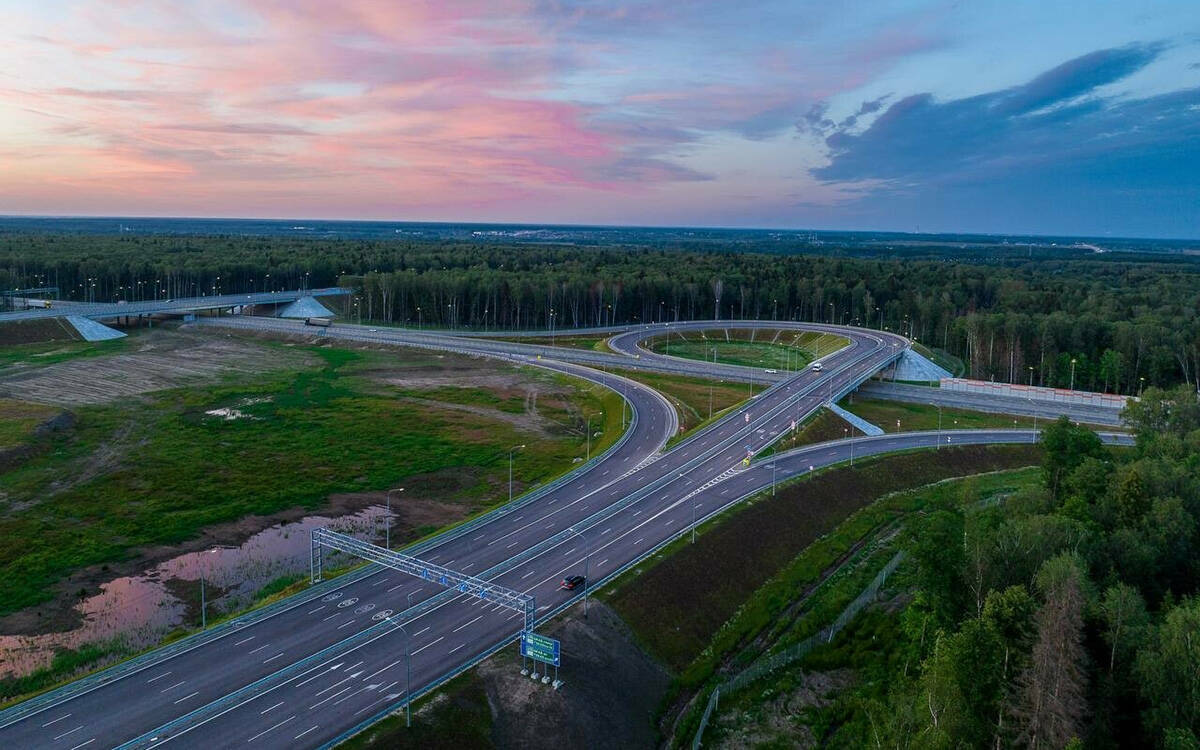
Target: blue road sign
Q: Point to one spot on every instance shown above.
(540, 648)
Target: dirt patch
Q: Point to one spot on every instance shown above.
(780, 719)
(162, 359)
(610, 693)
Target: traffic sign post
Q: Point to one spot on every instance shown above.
(539, 648)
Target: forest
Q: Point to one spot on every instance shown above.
(1115, 322)
(1062, 615)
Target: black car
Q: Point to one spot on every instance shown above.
(571, 582)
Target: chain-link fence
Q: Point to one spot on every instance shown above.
(792, 654)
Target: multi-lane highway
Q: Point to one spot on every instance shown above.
(306, 673)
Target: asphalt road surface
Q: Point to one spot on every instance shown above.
(331, 660)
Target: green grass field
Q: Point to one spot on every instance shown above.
(18, 420)
(884, 414)
(51, 352)
(157, 470)
(696, 400)
(748, 348)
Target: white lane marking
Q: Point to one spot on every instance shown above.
(344, 624)
(328, 699)
(260, 648)
(602, 561)
(465, 624)
(514, 544)
(306, 731)
(164, 674)
(422, 630)
(331, 687)
(318, 609)
(380, 583)
(355, 664)
(335, 614)
(384, 669)
(639, 540)
(456, 648)
(64, 734)
(526, 575)
(260, 734)
(272, 708)
(55, 721)
(173, 686)
(427, 645)
(273, 658)
(84, 744)
(247, 640)
(192, 695)
(393, 588)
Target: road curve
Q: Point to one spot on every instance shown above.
(213, 685)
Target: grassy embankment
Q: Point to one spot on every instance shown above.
(911, 417)
(790, 350)
(866, 646)
(157, 472)
(694, 607)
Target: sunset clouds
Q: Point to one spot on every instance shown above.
(652, 113)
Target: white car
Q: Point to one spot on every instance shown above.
(816, 367)
(771, 372)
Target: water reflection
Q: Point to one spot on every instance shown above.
(138, 611)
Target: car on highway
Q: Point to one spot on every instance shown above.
(570, 583)
(816, 367)
(770, 371)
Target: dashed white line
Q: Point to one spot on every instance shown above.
(456, 648)
(55, 721)
(260, 648)
(191, 695)
(272, 708)
(465, 624)
(344, 624)
(276, 656)
(64, 734)
(164, 674)
(306, 731)
(427, 645)
(260, 734)
(84, 744)
(173, 686)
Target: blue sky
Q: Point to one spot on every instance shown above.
(1019, 117)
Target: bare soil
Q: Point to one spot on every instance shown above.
(163, 358)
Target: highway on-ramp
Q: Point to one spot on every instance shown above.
(334, 658)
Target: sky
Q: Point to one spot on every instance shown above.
(1020, 116)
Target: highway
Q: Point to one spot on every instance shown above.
(332, 659)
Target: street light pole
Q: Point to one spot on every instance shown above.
(387, 533)
(1072, 373)
(510, 468)
(939, 439)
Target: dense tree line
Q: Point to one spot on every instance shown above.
(1068, 616)
(1112, 323)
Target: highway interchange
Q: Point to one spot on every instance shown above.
(328, 661)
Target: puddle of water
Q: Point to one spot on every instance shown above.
(140, 610)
